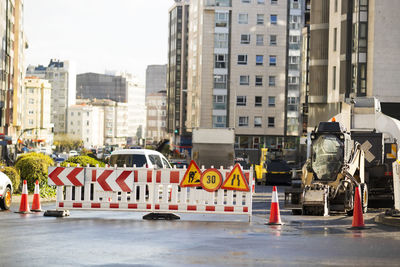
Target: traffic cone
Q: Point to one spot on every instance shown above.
(36, 199)
(24, 206)
(358, 217)
(274, 217)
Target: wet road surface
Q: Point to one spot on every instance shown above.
(100, 238)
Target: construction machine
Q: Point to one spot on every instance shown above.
(273, 169)
(330, 175)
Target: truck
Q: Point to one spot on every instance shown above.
(272, 169)
(213, 147)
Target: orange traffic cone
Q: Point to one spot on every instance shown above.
(358, 217)
(36, 199)
(274, 217)
(24, 206)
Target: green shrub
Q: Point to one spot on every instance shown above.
(32, 167)
(14, 176)
(83, 161)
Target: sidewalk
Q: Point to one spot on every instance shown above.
(386, 219)
(17, 199)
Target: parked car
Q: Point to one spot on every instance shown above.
(73, 153)
(179, 163)
(6, 191)
(139, 157)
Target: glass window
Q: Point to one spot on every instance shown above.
(271, 122)
(243, 121)
(271, 80)
(274, 2)
(272, 60)
(271, 101)
(260, 39)
(221, 19)
(259, 80)
(245, 39)
(260, 2)
(220, 61)
(166, 164)
(258, 101)
(257, 121)
(241, 101)
(272, 40)
(219, 121)
(245, 1)
(244, 80)
(156, 161)
(243, 18)
(259, 60)
(128, 160)
(221, 40)
(274, 19)
(242, 59)
(220, 81)
(260, 19)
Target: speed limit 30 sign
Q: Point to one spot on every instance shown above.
(211, 180)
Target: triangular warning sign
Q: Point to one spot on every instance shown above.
(192, 176)
(236, 180)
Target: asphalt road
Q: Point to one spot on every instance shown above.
(100, 238)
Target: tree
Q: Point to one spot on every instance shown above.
(65, 142)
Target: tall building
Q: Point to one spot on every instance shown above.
(137, 112)
(11, 66)
(37, 129)
(156, 78)
(62, 77)
(177, 74)
(237, 69)
(156, 117)
(101, 86)
(354, 52)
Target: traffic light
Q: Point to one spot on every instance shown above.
(176, 131)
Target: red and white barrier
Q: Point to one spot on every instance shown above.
(144, 190)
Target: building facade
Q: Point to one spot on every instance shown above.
(156, 117)
(37, 128)
(354, 52)
(62, 77)
(137, 112)
(177, 74)
(156, 78)
(237, 69)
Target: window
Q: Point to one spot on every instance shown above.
(334, 78)
(271, 80)
(258, 101)
(271, 101)
(259, 60)
(271, 122)
(243, 121)
(31, 101)
(260, 19)
(221, 19)
(30, 122)
(220, 82)
(272, 40)
(260, 39)
(31, 112)
(259, 80)
(219, 102)
(244, 80)
(72, 113)
(245, 39)
(292, 103)
(334, 38)
(257, 121)
(272, 60)
(219, 121)
(274, 19)
(293, 80)
(243, 18)
(274, 2)
(246, 1)
(242, 60)
(261, 2)
(241, 101)
(336, 5)
(220, 61)
(221, 40)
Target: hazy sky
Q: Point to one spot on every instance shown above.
(124, 35)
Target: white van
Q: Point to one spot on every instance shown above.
(139, 157)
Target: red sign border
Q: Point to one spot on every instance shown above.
(220, 179)
(244, 178)
(187, 171)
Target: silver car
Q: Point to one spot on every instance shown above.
(6, 190)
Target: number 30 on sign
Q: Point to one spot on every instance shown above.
(211, 180)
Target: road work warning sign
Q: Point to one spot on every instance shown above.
(236, 180)
(211, 180)
(192, 176)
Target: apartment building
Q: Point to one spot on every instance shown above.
(62, 77)
(177, 75)
(12, 71)
(237, 69)
(156, 117)
(354, 52)
(156, 78)
(136, 120)
(37, 128)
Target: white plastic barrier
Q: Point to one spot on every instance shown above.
(144, 190)
(396, 184)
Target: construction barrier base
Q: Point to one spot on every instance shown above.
(56, 213)
(161, 216)
(37, 210)
(358, 228)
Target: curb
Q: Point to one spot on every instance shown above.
(387, 220)
(17, 199)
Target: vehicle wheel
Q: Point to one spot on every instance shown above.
(364, 197)
(5, 202)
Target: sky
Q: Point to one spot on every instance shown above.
(99, 35)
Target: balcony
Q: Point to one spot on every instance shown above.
(223, 3)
